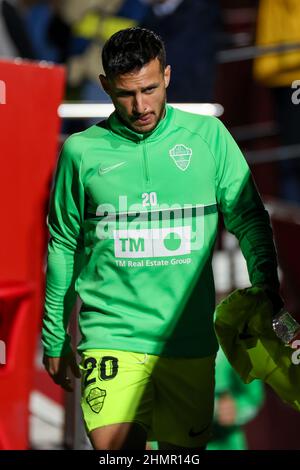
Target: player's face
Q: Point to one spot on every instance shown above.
(139, 96)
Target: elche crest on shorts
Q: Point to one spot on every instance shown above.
(181, 156)
(96, 398)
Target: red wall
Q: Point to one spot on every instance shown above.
(29, 127)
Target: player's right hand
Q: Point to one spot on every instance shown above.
(58, 367)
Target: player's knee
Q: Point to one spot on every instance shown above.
(107, 443)
(125, 436)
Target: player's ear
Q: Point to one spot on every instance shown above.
(104, 83)
(167, 75)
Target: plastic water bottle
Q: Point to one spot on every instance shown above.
(286, 327)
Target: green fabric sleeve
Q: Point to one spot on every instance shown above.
(243, 211)
(64, 251)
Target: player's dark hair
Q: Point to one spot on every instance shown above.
(131, 49)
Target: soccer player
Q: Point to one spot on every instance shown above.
(133, 222)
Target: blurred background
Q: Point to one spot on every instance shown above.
(241, 55)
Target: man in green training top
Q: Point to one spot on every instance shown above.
(133, 222)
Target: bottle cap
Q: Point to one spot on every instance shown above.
(285, 326)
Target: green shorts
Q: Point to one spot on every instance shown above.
(172, 398)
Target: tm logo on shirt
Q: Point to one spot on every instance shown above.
(152, 243)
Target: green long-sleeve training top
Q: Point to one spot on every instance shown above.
(133, 221)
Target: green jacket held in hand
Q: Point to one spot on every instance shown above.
(259, 354)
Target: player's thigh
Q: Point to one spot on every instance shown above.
(122, 436)
(184, 411)
(169, 446)
(116, 391)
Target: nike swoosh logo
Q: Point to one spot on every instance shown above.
(102, 170)
(195, 434)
